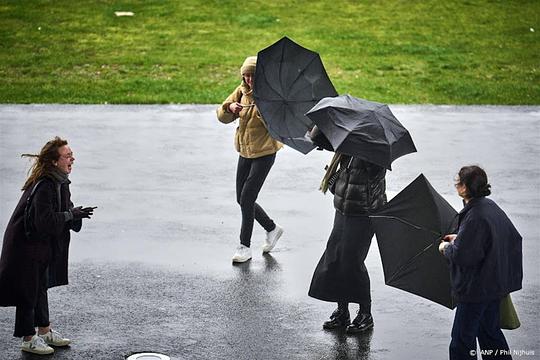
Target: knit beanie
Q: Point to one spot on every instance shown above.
(248, 67)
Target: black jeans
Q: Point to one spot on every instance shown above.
(478, 320)
(27, 318)
(250, 176)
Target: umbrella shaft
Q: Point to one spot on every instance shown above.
(397, 273)
(408, 223)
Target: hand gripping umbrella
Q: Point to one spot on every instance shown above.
(409, 229)
(362, 128)
(289, 80)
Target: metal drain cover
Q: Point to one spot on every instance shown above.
(148, 356)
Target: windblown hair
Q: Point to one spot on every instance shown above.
(44, 162)
(476, 181)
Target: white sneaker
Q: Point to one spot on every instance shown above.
(36, 345)
(54, 338)
(242, 254)
(271, 238)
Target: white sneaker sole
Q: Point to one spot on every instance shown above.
(240, 260)
(38, 352)
(269, 247)
(58, 344)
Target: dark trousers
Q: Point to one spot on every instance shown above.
(27, 317)
(250, 176)
(478, 320)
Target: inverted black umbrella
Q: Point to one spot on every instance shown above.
(362, 128)
(409, 229)
(289, 80)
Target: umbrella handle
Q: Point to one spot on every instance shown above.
(439, 235)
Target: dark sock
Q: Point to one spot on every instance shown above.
(343, 306)
(365, 308)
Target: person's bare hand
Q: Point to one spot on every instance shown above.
(449, 237)
(235, 107)
(82, 213)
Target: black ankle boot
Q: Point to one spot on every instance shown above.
(339, 318)
(361, 323)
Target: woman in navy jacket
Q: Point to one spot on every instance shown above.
(485, 263)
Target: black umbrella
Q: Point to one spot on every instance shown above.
(409, 229)
(289, 80)
(362, 128)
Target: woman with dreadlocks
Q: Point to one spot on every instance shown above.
(35, 247)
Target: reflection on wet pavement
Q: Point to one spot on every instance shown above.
(152, 270)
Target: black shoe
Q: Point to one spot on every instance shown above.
(361, 323)
(339, 318)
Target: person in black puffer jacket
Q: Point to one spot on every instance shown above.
(341, 275)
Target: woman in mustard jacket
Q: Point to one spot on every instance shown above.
(257, 153)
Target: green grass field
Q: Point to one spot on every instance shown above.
(440, 52)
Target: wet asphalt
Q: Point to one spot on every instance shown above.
(152, 270)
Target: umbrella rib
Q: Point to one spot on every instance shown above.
(269, 86)
(302, 71)
(287, 125)
(406, 222)
(397, 272)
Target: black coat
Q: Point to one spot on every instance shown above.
(48, 243)
(360, 187)
(486, 256)
(340, 275)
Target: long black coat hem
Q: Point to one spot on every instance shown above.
(22, 256)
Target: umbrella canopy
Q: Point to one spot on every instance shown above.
(409, 229)
(289, 80)
(362, 128)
